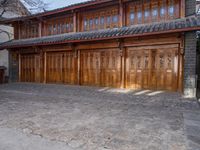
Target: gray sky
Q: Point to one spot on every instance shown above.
(61, 3)
(53, 4)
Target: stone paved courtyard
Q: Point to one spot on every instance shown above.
(37, 116)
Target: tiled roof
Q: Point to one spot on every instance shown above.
(179, 25)
(54, 11)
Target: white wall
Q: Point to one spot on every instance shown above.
(4, 55)
(4, 60)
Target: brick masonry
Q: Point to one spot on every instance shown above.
(190, 64)
(190, 7)
(190, 55)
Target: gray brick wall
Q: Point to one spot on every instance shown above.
(190, 7)
(13, 68)
(190, 64)
(190, 54)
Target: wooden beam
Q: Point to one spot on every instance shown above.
(121, 13)
(182, 9)
(74, 22)
(40, 29)
(19, 31)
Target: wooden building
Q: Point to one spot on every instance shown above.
(136, 44)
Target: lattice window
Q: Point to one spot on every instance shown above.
(104, 18)
(139, 14)
(148, 11)
(163, 10)
(154, 11)
(132, 17)
(171, 9)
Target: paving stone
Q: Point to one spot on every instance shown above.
(93, 118)
(192, 116)
(193, 146)
(194, 139)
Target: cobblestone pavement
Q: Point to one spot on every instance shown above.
(91, 118)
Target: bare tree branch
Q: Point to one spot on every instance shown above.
(9, 34)
(13, 6)
(2, 13)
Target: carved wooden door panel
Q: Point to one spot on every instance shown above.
(54, 67)
(154, 69)
(160, 69)
(61, 67)
(146, 61)
(167, 69)
(172, 69)
(69, 68)
(137, 68)
(110, 68)
(90, 68)
(38, 68)
(131, 69)
(30, 68)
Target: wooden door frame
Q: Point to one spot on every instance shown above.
(122, 60)
(34, 54)
(156, 46)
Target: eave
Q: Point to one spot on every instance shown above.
(191, 23)
(55, 11)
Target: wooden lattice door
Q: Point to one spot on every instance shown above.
(30, 68)
(155, 68)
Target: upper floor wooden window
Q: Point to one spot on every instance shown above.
(101, 19)
(171, 9)
(154, 11)
(132, 17)
(29, 30)
(147, 11)
(59, 26)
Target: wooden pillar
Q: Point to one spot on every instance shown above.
(45, 67)
(122, 54)
(19, 31)
(77, 63)
(182, 8)
(78, 22)
(40, 29)
(74, 22)
(180, 64)
(19, 57)
(79, 68)
(121, 14)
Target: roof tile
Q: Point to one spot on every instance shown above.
(184, 24)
